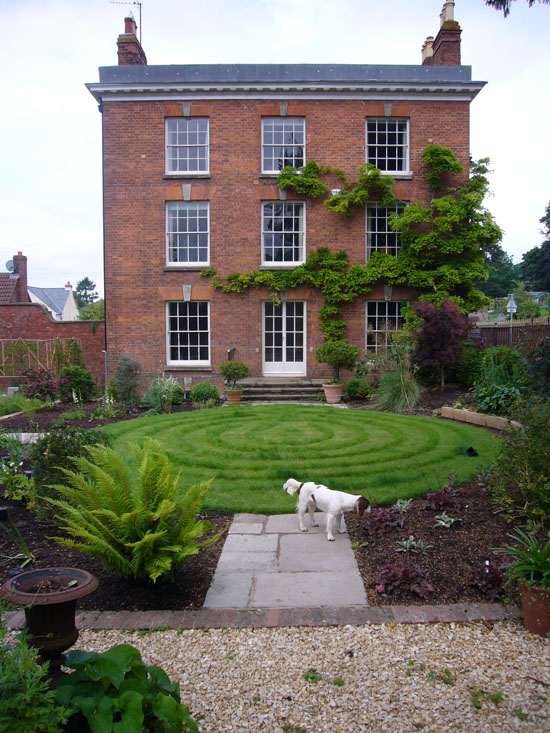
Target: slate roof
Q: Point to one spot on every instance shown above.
(283, 73)
(54, 298)
(8, 283)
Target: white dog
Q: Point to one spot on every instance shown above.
(313, 496)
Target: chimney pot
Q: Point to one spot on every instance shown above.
(427, 50)
(68, 286)
(130, 25)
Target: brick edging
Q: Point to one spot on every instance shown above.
(280, 617)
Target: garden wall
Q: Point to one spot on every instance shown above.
(30, 322)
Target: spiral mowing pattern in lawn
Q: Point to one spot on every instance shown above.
(251, 451)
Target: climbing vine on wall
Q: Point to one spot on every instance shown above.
(443, 243)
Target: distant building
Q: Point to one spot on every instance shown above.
(60, 302)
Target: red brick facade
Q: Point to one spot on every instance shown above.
(138, 283)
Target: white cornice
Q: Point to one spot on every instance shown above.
(457, 92)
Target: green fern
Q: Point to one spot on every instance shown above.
(139, 528)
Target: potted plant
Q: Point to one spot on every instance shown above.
(530, 566)
(49, 596)
(339, 354)
(233, 371)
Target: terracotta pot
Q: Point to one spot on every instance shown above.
(233, 396)
(535, 604)
(50, 615)
(333, 393)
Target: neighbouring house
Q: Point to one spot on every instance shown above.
(60, 302)
(191, 158)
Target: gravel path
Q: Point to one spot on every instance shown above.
(394, 677)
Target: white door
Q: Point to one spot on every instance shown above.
(284, 339)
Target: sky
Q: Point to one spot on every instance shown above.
(50, 181)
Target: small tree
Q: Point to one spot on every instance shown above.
(339, 354)
(441, 335)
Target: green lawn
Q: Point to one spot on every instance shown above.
(251, 451)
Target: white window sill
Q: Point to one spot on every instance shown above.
(183, 174)
(403, 175)
(178, 267)
(183, 366)
(269, 175)
(280, 266)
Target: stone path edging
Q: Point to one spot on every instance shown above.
(216, 618)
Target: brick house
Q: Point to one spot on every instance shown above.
(191, 156)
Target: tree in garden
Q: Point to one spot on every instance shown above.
(93, 311)
(440, 337)
(535, 264)
(527, 308)
(445, 243)
(85, 292)
(503, 274)
(505, 5)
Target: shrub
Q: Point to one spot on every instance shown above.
(115, 691)
(232, 371)
(358, 389)
(467, 366)
(166, 391)
(76, 383)
(16, 484)
(520, 478)
(489, 578)
(39, 384)
(398, 388)
(495, 399)
(139, 528)
(26, 701)
(53, 452)
(204, 393)
(125, 383)
(538, 369)
(339, 354)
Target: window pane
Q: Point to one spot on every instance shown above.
(186, 145)
(188, 329)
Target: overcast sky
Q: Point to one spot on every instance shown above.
(50, 196)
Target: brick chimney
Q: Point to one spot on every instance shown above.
(20, 268)
(130, 52)
(445, 49)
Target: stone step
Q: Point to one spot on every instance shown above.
(282, 390)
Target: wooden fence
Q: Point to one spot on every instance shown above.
(510, 333)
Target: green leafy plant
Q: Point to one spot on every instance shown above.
(398, 388)
(204, 394)
(444, 520)
(77, 384)
(13, 534)
(165, 392)
(124, 386)
(529, 557)
(16, 484)
(519, 480)
(105, 409)
(339, 355)
(312, 676)
(440, 162)
(445, 677)
(26, 701)
(232, 372)
(19, 403)
(52, 453)
(413, 546)
(116, 691)
(359, 389)
(496, 399)
(139, 528)
(403, 505)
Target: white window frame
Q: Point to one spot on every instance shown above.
(183, 313)
(383, 127)
(376, 316)
(187, 145)
(266, 233)
(269, 162)
(187, 238)
(386, 239)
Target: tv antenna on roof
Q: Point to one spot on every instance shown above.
(130, 2)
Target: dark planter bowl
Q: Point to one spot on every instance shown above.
(50, 615)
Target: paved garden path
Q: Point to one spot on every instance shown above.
(266, 562)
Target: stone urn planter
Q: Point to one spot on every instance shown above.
(535, 605)
(233, 396)
(49, 596)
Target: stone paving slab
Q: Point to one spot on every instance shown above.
(313, 553)
(238, 562)
(229, 590)
(297, 589)
(250, 543)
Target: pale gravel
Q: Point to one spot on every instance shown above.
(252, 679)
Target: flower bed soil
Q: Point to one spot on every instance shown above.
(457, 553)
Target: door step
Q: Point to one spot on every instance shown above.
(278, 389)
